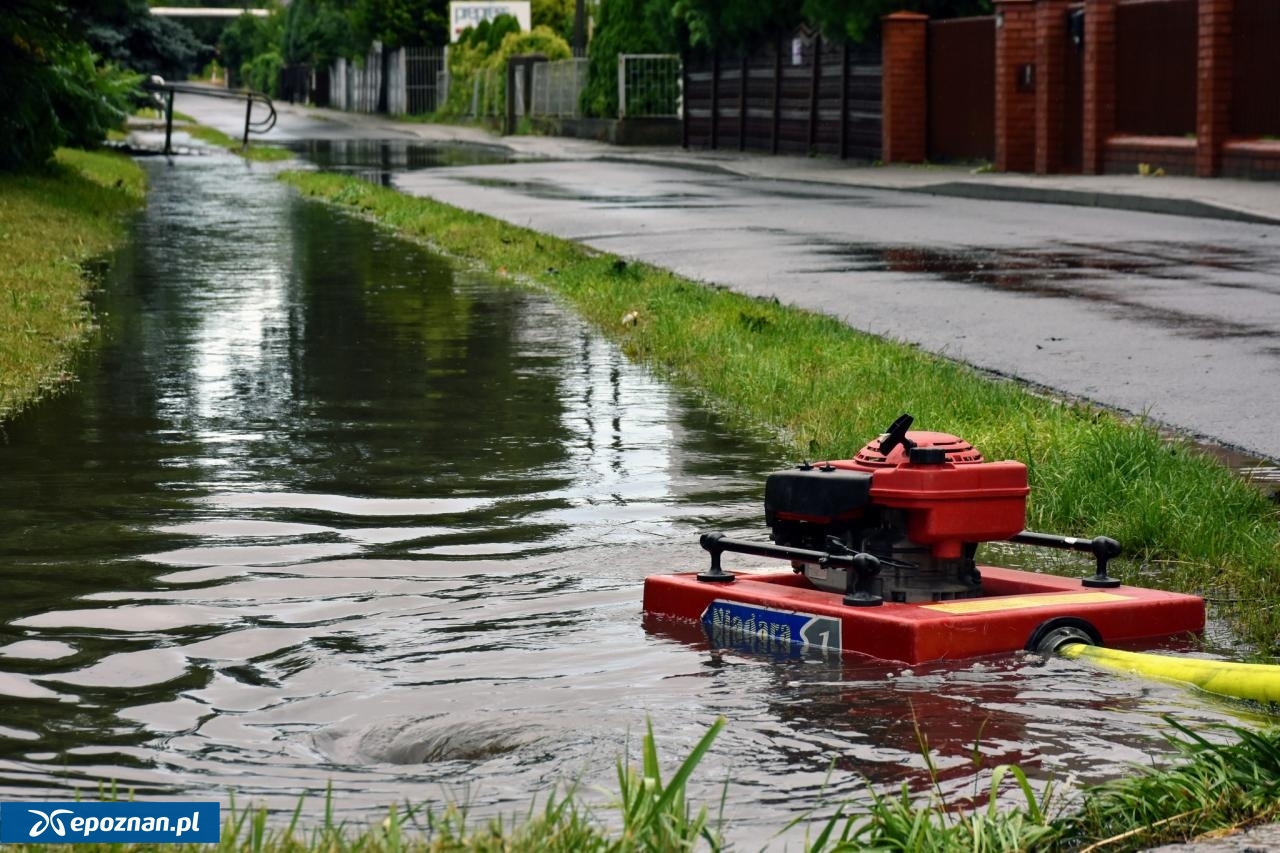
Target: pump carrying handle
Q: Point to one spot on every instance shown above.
(862, 568)
(897, 434)
(1103, 548)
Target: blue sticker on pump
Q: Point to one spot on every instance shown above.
(750, 627)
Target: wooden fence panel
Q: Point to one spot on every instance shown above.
(864, 116)
(795, 95)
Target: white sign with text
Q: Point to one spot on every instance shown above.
(464, 15)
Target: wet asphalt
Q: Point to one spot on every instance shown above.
(1173, 317)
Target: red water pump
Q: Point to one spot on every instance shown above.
(920, 502)
(901, 521)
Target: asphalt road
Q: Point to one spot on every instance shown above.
(1174, 317)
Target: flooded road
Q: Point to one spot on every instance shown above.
(325, 510)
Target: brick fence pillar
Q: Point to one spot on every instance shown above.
(1015, 86)
(1213, 85)
(1099, 82)
(1051, 89)
(903, 88)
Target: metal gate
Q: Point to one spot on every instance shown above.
(962, 89)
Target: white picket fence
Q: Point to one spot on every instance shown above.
(412, 75)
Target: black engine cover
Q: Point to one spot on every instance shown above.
(818, 495)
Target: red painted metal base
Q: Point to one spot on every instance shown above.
(781, 610)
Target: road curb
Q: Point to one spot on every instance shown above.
(1080, 198)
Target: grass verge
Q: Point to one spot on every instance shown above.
(653, 816)
(53, 225)
(824, 390)
(1213, 789)
(259, 153)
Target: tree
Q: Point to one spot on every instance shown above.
(128, 35)
(248, 37)
(316, 32)
(55, 91)
(401, 23)
(859, 20)
(625, 26)
(733, 23)
(555, 15)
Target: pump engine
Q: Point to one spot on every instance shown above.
(920, 502)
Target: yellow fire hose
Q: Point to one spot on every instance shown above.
(1256, 681)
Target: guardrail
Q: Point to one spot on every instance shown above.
(250, 97)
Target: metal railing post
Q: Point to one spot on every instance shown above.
(622, 86)
(168, 120)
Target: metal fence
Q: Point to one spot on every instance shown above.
(1255, 108)
(648, 85)
(399, 82)
(1156, 56)
(356, 88)
(486, 94)
(557, 87)
(422, 67)
(961, 82)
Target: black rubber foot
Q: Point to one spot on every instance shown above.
(1101, 583)
(863, 599)
(716, 577)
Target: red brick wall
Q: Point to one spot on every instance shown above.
(1258, 159)
(904, 87)
(1213, 85)
(1030, 122)
(1127, 155)
(1051, 46)
(1099, 82)
(1015, 98)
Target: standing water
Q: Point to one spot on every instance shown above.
(325, 510)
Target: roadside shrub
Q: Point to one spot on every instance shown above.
(470, 57)
(70, 100)
(466, 59)
(624, 26)
(475, 36)
(262, 73)
(245, 39)
(556, 14)
(499, 28)
(540, 40)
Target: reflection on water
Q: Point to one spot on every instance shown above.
(325, 510)
(376, 160)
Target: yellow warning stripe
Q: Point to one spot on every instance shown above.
(1022, 602)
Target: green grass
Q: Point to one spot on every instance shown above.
(261, 153)
(1211, 787)
(652, 815)
(906, 821)
(823, 390)
(52, 225)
